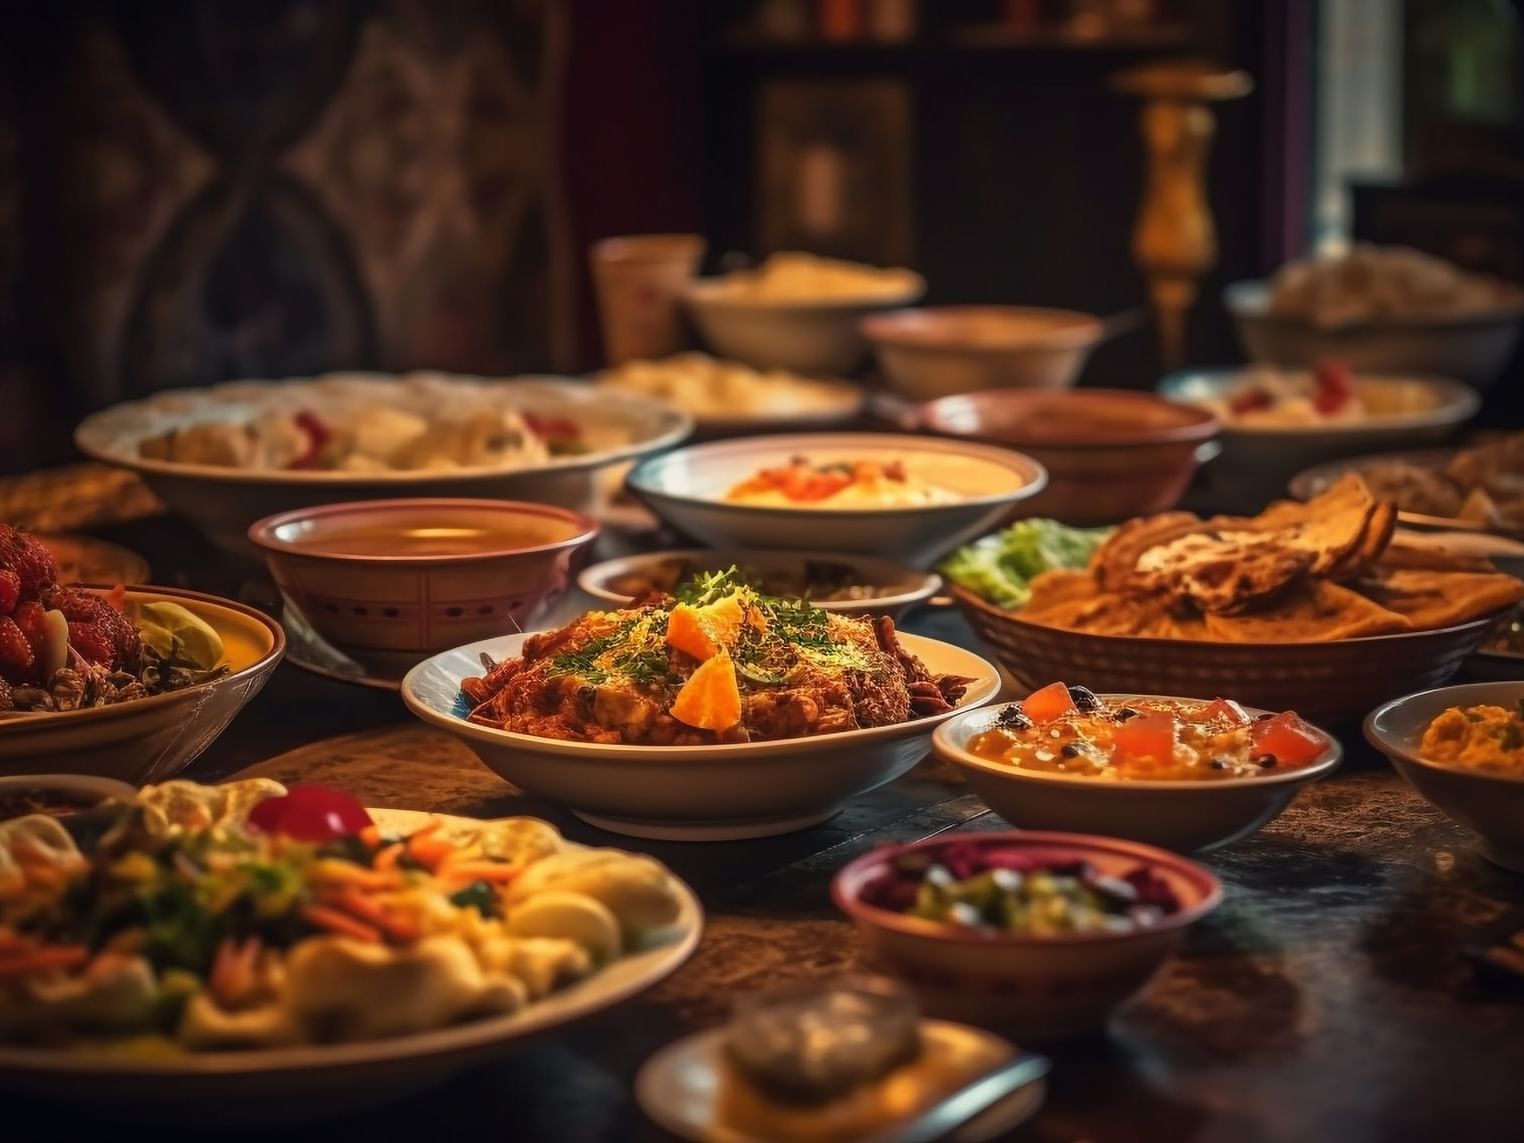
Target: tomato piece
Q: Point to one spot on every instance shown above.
(1149, 735)
(310, 813)
(1288, 739)
(1227, 710)
(1251, 401)
(1051, 702)
(1336, 386)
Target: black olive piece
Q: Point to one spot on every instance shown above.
(1124, 714)
(1084, 699)
(1014, 718)
(1265, 760)
(1218, 763)
(1071, 750)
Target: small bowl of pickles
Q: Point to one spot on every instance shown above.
(1039, 935)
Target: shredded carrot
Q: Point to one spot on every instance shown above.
(429, 851)
(494, 872)
(233, 969)
(37, 960)
(386, 860)
(371, 836)
(367, 910)
(342, 923)
(348, 874)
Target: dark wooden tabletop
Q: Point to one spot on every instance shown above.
(1328, 998)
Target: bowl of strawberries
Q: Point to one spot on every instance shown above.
(127, 682)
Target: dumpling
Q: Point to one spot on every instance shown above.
(187, 805)
(635, 888)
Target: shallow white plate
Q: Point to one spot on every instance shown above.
(692, 793)
(687, 488)
(290, 1083)
(679, 1087)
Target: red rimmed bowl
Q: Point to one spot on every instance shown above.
(151, 739)
(1111, 454)
(1030, 987)
(1182, 815)
(390, 582)
(1331, 682)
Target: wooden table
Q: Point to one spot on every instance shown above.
(1326, 999)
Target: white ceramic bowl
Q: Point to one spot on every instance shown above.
(687, 487)
(804, 335)
(945, 350)
(223, 502)
(1179, 815)
(692, 793)
(151, 739)
(1471, 348)
(1492, 805)
(901, 587)
(1037, 987)
(1258, 461)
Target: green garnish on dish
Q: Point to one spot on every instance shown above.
(1000, 567)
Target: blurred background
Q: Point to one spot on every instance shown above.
(191, 192)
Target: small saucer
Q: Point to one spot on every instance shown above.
(309, 651)
(84, 559)
(680, 1087)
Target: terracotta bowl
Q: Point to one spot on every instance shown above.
(390, 582)
(1110, 454)
(153, 738)
(1180, 815)
(1492, 805)
(942, 350)
(1028, 987)
(1328, 682)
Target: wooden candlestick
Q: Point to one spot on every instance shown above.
(1174, 241)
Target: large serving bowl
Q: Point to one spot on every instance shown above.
(223, 502)
(1492, 805)
(1258, 460)
(1179, 815)
(275, 1085)
(1471, 347)
(739, 790)
(1110, 454)
(1030, 987)
(426, 591)
(151, 739)
(895, 587)
(806, 335)
(938, 351)
(687, 487)
(1330, 682)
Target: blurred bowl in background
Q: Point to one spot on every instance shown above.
(390, 582)
(1473, 348)
(1110, 454)
(942, 350)
(847, 585)
(806, 335)
(1258, 460)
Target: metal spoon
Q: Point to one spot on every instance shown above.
(945, 1117)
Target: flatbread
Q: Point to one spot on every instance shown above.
(1315, 612)
(1109, 613)
(1116, 561)
(1379, 530)
(1061, 585)
(1401, 553)
(1431, 599)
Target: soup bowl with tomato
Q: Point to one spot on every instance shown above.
(1181, 773)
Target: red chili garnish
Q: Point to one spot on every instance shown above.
(1253, 401)
(1336, 386)
(551, 428)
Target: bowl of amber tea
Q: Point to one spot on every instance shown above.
(390, 582)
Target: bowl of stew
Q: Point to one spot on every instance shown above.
(57, 795)
(845, 584)
(1185, 774)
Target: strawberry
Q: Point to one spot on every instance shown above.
(16, 658)
(91, 641)
(32, 563)
(29, 617)
(10, 591)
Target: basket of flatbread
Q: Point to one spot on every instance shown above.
(1316, 607)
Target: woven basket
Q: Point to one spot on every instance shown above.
(1329, 682)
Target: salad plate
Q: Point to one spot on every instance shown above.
(282, 1083)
